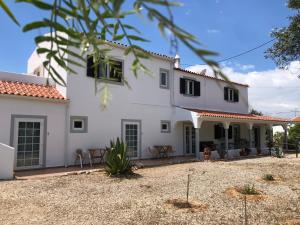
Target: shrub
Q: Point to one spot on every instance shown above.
(279, 152)
(117, 161)
(268, 177)
(249, 190)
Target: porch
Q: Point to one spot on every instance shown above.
(228, 135)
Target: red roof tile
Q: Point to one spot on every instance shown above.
(29, 90)
(296, 119)
(210, 77)
(216, 114)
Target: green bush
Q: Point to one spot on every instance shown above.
(116, 159)
(268, 177)
(279, 152)
(249, 190)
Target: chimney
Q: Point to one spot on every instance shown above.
(177, 61)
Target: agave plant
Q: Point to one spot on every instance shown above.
(117, 160)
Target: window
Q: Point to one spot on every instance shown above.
(189, 87)
(111, 70)
(165, 126)
(78, 124)
(231, 95)
(164, 78)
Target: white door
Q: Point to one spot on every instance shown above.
(131, 135)
(28, 142)
(189, 139)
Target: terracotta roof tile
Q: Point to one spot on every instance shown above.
(210, 77)
(216, 114)
(29, 90)
(296, 119)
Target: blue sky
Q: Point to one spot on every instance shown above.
(227, 27)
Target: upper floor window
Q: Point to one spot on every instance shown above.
(189, 87)
(231, 95)
(164, 78)
(111, 70)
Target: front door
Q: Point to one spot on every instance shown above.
(189, 139)
(28, 142)
(131, 135)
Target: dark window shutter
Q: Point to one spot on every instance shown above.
(230, 132)
(236, 95)
(89, 66)
(182, 85)
(196, 88)
(226, 93)
(217, 132)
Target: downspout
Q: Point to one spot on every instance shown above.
(67, 125)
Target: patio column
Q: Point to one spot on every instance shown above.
(197, 146)
(250, 126)
(285, 145)
(226, 128)
(197, 126)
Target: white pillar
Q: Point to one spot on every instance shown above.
(285, 145)
(197, 146)
(250, 126)
(226, 127)
(197, 125)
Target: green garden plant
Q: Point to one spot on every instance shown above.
(268, 177)
(117, 160)
(249, 190)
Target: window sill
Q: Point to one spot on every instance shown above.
(186, 95)
(109, 81)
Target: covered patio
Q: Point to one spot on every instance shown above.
(228, 135)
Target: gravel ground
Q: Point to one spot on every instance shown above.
(96, 199)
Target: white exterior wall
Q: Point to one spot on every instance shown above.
(212, 95)
(7, 156)
(144, 101)
(55, 113)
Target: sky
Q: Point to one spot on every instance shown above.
(228, 27)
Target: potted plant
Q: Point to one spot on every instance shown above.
(207, 153)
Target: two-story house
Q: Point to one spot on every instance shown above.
(47, 123)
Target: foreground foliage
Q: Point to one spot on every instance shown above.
(117, 161)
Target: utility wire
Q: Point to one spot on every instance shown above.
(240, 54)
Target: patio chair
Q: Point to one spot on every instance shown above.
(79, 156)
(154, 152)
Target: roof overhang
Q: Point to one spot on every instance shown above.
(200, 116)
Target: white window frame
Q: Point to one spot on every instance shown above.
(188, 90)
(107, 71)
(165, 122)
(166, 73)
(76, 128)
(83, 120)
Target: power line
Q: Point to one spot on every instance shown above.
(240, 54)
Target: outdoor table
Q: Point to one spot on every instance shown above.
(96, 153)
(163, 150)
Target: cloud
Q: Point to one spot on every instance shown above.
(238, 66)
(213, 31)
(274, 92)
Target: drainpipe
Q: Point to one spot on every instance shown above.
(67, 125)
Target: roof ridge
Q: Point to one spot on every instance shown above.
(215, 78)
(29, 83)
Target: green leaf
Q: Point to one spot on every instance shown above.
(137, 38)
(8, 12)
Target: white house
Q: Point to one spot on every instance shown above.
(187, 110)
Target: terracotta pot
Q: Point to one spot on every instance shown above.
(206, 153)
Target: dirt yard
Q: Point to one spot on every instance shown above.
(157, 196)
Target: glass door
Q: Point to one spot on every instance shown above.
(131, 135)
(189, 139)
(28, 143)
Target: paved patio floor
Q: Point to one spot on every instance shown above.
(63, 171)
